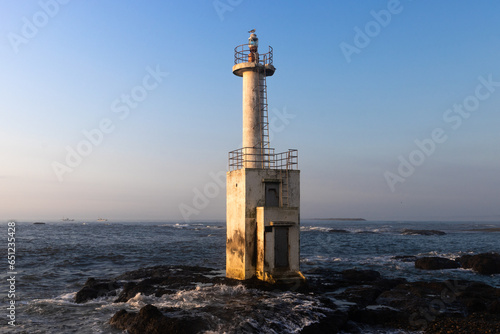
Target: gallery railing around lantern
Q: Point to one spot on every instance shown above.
(250, 157)
(242, 54)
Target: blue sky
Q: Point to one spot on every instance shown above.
(357, 85)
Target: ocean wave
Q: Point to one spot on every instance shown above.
(252, 311)
(347, 229)
(314, 229)
(191, 227)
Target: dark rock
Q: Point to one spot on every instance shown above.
(384, 316)
(474, 304)
(405, 258)
(150, 320)
(422, 232)
(368, 293)
(427, 301)
(361, 295)
(387, 284)
(435, 263)
(494, 307)
(348, 301)
(149, 286)
(466, 261)
(332, 323)
(354, 275)
(478, 297)
(165, 271)
(484, 263)
(338, 231)
(474, 323)
(96, 288)
(411, 296)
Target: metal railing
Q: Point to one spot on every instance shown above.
(242, 52)
(265, 158)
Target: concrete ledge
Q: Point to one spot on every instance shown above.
(282, 223)
(238, 69)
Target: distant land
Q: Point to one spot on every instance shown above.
(343, 219)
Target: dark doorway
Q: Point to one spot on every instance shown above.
(272, 194)
(281, 247)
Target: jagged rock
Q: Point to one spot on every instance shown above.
(478, 297)
(484, 263)
(150, 320)
(474, 323)
(411, 296)
(333, 322)
(405, 258)
(338, 231)
(345, 301)
(148, 286)
(361, 295)
(96, 288)
(354, 275)
(435, 263)
(379, 315)
(494, 307)
(165, 271)
(422, 232)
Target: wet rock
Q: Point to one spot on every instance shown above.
(494, 307)
(332, 323)
(165, 271)
(411, 296)
(422, 232)
(360, 276)
(484, 263)
(478, 297)
(361, 295)
(96, 288)
(348, 301)
(150, 320)
(380, 315)
(149, 286)
(474, 323)
(435, 263)
(338, 231)
(405, 258)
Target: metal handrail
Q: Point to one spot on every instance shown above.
(264, 157)
(241, 53)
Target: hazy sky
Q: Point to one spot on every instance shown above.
(127, 109)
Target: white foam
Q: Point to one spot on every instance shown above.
(381, 307)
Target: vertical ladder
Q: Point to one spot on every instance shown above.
(264, 120)
(284, 182)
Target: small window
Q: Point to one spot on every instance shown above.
(272, 194)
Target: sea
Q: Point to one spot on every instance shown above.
(53, 261)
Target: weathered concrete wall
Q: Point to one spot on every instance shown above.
(294, 188)
(235, 225)
(272, 217)
(245, 193)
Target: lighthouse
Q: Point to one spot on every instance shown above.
(263, 187)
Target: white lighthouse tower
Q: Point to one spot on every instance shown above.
(263, 187)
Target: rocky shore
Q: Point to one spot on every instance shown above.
(349, 301)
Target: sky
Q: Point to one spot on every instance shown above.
(127, 110)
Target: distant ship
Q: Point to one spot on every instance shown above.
(39, 223)
(67, 220)
(102, 220)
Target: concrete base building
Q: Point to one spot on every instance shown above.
(263, 187)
